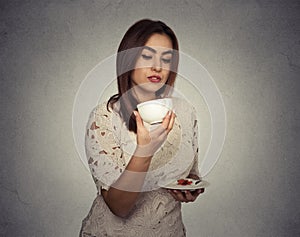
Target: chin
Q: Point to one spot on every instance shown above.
(151, 87)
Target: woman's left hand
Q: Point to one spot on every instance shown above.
(185, 196)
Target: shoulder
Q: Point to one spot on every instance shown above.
(101, 115)
(185, 112)
(181, 105)
(104, 110)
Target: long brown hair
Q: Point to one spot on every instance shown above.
(136, 37)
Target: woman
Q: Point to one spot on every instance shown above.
(127, 157)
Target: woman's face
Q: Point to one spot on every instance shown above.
(153, 66)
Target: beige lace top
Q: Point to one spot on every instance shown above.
(109, 147)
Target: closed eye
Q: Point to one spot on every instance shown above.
(166, 60)
(147, 57)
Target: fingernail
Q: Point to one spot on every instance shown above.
(170, 112)
(134, 112)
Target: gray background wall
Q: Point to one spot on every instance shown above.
(251, 48)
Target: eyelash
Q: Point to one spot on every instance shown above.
(146, 57)
(166, 60)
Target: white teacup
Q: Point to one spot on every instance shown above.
(154, 111)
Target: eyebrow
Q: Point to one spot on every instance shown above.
(154, 51)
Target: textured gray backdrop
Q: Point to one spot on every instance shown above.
(251, 48)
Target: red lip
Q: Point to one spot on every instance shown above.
(154, 78)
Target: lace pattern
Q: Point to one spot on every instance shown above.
(109, 146)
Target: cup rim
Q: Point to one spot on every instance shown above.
(155, 101)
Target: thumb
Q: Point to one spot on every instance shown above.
(139, 121)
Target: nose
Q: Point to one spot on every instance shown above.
(156, 65)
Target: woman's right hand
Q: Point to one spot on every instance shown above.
(148, 142)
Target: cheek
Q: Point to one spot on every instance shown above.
(166, 74)
(137, 74)
(139, 71)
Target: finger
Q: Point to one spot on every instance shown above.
(179, 196)
(173, 194)
(163, 131)
(171, 122)
(166, 120)
(189, 197)
(139, 121)
(197, 193)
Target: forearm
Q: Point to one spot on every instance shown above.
(123, 194)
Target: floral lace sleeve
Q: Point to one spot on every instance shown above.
(102, 144)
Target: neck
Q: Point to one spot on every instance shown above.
(142, 95)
